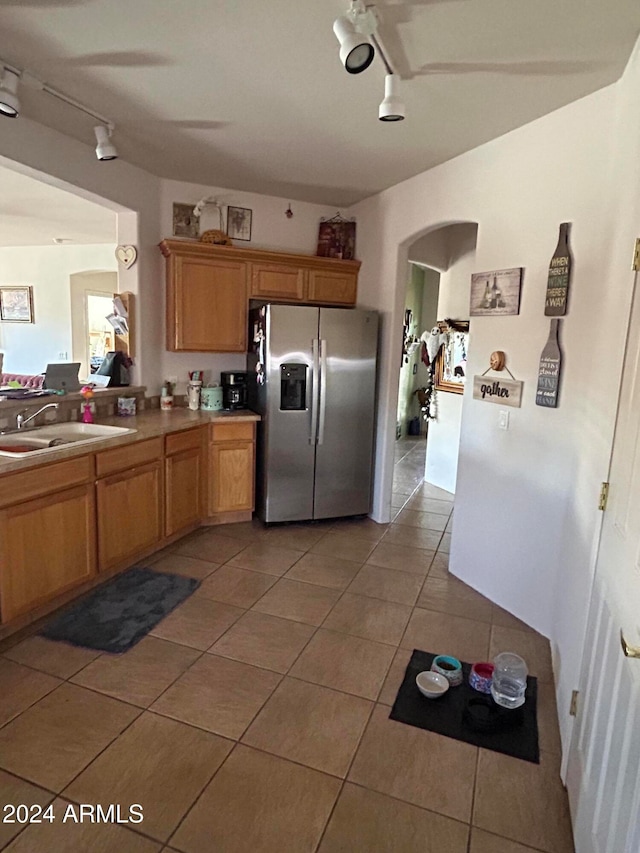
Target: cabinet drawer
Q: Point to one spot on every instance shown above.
(188, 440)
(123, 458)
(34, 482)
(232, 432)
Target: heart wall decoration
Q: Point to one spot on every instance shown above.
(126, 255)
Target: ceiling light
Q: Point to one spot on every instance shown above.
(392, 107)
(356, 51)
(105, 149)
(9, 101)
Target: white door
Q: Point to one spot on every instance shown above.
(603, 775)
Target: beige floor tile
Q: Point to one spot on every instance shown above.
(534, 648)
(389, 585)
(389, 555)
(258, 802)
(395, 676)
(401, 488)
(312, 725)
(323, 570)
(548, 728)
(369, 618)
(301, 602)
(374, 823)
(505, 619)
(15, 792)
(486, 842)
(211, 546)
(439, 567)
(53, 741)
(429, 491)
(297, 537)
(422, 503)
(449, 595)
(180, 564)
(412, 537)
(140, 675)
(523, 802)
(198, 623)
(21, 687)
(218, 694)
(345, 663)
(430, 631)
(445, 544)
(232, 585)
(55, 658)
(345, 546)
(398, 501)
(159, 763)
(247, 530)
(266, 641)
(71, 837)
(424, 520)
(269, 559)
(417, 766)
(361, 528)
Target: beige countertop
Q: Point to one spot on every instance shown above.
(148, 424)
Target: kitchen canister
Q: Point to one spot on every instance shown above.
(211, 398)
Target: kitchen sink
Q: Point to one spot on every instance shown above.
(45, 439)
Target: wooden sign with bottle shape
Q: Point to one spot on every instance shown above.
(549, 370)
(559, 273)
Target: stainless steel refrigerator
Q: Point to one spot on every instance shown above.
(312, 378)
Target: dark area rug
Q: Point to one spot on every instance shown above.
(512, 732)
(116, 616)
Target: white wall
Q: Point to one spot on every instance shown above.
(29, 347)
(271, 229)
(526, 517)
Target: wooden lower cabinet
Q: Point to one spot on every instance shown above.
(47, 546)
(129, 512)
(231, 476)
(183, 485)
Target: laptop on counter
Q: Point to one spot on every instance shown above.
(62, 377)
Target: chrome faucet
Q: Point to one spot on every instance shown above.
(21, 420)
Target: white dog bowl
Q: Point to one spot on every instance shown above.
(432, 684)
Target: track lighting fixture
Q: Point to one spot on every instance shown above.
(356, 51)
(105, 149)
(392, 107)
(9, 101)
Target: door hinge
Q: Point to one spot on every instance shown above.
(604, 495)
(636, 256)
(573, 707)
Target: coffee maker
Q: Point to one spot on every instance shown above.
(234, 390)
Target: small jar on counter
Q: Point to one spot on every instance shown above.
(166, 397)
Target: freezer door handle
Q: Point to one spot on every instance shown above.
(323, 390)
(315, 387)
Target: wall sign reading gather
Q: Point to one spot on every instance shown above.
(506, 392)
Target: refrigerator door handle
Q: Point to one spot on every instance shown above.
(315, 387)
(323, 390)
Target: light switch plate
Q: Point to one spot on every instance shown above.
(503, 419)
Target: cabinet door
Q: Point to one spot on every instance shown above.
(47, 546)
(231, 476)
(129, 514)
(277, 281)
(182, 490)
(333, 288)
(207, 305)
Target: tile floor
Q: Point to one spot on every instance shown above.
(255, 717)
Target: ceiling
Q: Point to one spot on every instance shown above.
(33, 213)
(252, 95)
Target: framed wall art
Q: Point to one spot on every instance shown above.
(239, 223)
(337, 238)
(495, 293)
(451, 361)
(185, 222)
(16, 304)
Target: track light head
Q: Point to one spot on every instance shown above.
(392, 107)
(9, 101)
(105, 149)
(356, 51)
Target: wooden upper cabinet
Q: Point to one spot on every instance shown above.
(330, 287)
(277, 281)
